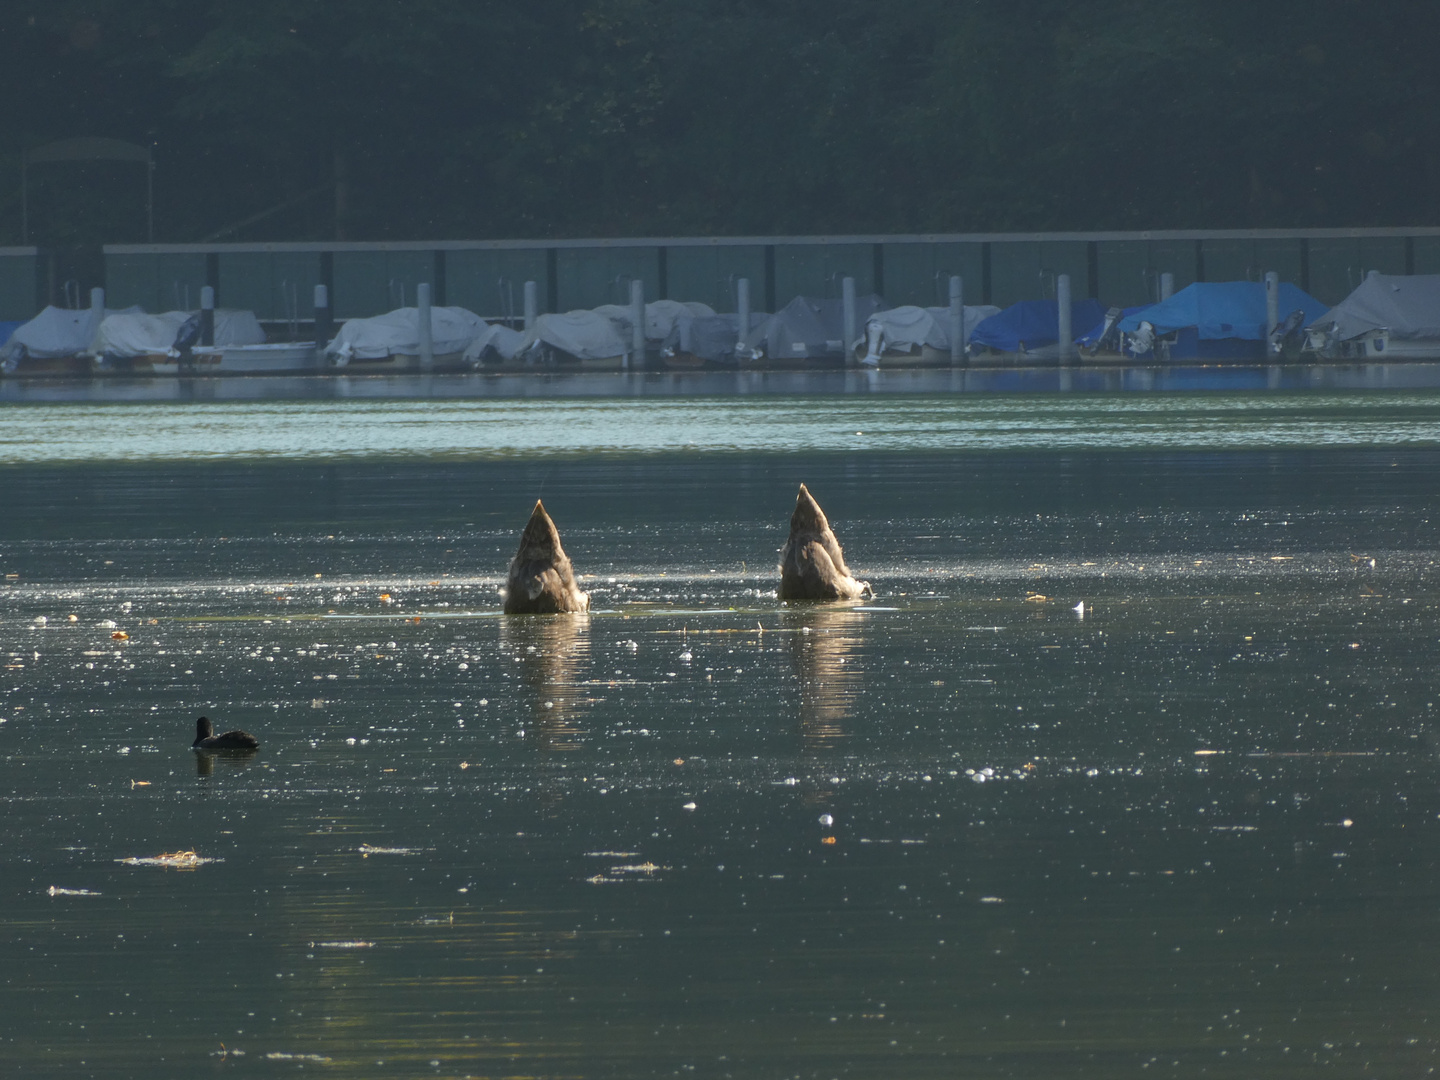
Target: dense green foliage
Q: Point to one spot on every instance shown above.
(375, 119)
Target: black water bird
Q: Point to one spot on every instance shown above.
(206, 739)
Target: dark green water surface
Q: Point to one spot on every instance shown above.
(961, 831)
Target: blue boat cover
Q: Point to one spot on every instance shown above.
(1223, 309)
(6, 329)
(1033, 324)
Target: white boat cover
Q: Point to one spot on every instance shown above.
(135, 333)
(807, 327)
(660, 317)
(585, 335)
(58, 332)
(1407, 305)
(906, 328)
(710, 337)
(397, 333)
(507, 343)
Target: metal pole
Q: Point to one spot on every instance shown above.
(24, 198)
(324, 323)
(532, 304)
(1272, 303)
(427, 344)
(150, 198)
(847, 317)
(1167, 286)
(636, 356)
(957, 320)
(1067, 332)
(207, 316)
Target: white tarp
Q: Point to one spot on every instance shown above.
(1408, 306)
(905, 329)
(505, 342)
(585, 335)
(660, 316)
(58, 332)
(397, 333)
(808, 327)
(138, 334)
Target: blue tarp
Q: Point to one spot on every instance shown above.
(1033, 324)
(6, 329)
(1223, 309)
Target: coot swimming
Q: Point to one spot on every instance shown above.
(206, 739)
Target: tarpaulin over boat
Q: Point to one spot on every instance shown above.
(1033, 324)
(807, 327)
(138, 334)
(710, 337)
(58, 332)
(906, 328)
(397, 333)
(1408, 306)
(585, 335)
(660, 316)
(1221, 309)
(497, 338)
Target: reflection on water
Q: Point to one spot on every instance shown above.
(825, 644)
(553, 654)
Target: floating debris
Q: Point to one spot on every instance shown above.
(56, 890)
(277, 1055)
(120, 635)
(171, 860)
(370, 849)
(342, 944)
(992, 899)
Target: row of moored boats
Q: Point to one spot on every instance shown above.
(1387, 316)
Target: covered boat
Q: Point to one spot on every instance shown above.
(497, 344)
(392, 340)
(910, 336)
(1393, 316)
(1215, 320)
(807, 329)
(583, 337)
(135, 341)
(1030, 329)
(706, 340)
(56, 340)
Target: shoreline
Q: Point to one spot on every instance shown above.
(1007, 379)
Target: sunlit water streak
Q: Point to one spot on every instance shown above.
(527, 429)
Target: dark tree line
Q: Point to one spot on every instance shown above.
(417, 119)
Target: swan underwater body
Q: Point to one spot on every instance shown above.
(812, 566)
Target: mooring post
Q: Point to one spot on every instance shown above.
(427, 339)
(532, 304)
(848, 329)
(207, 316)
(1272, 303)
(97, 305)
(742, 314)
(957, 320)
(1167, 286)
(636, 357)
(324, 324)
(1067, 331)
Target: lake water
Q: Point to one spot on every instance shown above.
(961, 830)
